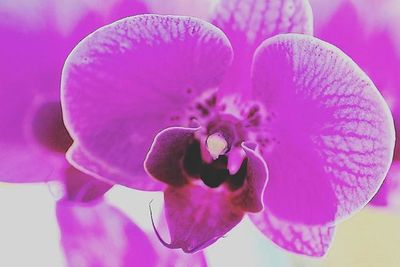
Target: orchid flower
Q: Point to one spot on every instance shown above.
(228, 122)
(38, 35)
(367, 31)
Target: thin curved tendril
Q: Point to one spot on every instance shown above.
(156, 231)
(171, 246)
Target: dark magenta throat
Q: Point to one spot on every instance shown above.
(215, 173)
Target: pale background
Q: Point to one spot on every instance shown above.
(29, 234)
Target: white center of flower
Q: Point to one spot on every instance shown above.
(216, 145)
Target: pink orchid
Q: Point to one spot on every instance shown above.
(368, 32)
(38, 35)
(171, 103)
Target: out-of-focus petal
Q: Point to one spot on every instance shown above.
(37, 37)
(131, 79)
(247, 23)
(83, 188)
(19, 166)
(198, 216)
(331, 133)
(323, 11)
(250, 196)
(194, 8)
(164, 160)
(311, 240)
(389, 193)
(32, 137)
(99, 235)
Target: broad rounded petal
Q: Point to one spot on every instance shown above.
(331, 133)
(250, 196)
(198, 216)
(129, 80)
(164, 160)
(247, 23)
(100, 235)
(389, 193)
(310, 240)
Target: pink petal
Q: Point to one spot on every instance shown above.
(249, 22)
(164, 160)
(311, 240)
(131, 79)
(367, 31)
(331, 135)
(99, 235)
(250, 196)
(18, 165)
(82, 187)
(198, 216)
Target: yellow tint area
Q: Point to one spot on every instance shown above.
(369, 239)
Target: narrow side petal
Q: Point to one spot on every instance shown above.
(247, 23)
(310, 240)
(198, 216)
(331, 133)
(250, 196)
(164, 160)
(81, 187)
(100, 235)
(129, 80)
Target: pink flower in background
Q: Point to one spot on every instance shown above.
(211, 120)
(36, 38)
(38, 35)
(368, 32)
